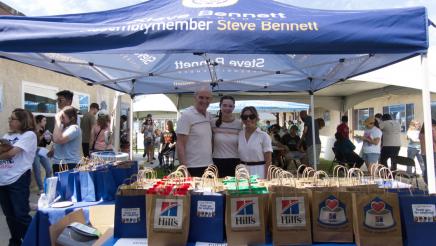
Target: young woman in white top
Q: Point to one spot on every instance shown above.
(15, 165)
(371, 142)
(254, 145)
(414, 146)
(226, 130)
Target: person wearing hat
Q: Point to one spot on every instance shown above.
(101, 139)
(86, 125)
(371, 142)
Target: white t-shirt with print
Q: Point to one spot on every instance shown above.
(225, 139)
(373, 133)
(198, 149)
(11, 170)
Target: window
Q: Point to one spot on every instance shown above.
(81, 101)
(360, 115)
(403, 113)
(39, 98)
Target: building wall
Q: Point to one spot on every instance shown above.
(379, 102)
(12, 75)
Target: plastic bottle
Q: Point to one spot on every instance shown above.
(42, 201)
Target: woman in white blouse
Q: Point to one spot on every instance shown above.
(254, 145)
(226, 130)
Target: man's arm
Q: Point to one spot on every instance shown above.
(182, 139)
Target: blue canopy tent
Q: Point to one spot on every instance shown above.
(175, 46)
(263, 106)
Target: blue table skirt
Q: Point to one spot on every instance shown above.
(38, 231)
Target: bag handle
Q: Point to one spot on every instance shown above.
(298, 169)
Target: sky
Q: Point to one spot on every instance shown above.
(57, 7)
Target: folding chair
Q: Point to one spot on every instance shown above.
(409, 162)
(336, 160)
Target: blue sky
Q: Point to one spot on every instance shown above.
(55, 7)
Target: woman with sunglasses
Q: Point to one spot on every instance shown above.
(254, 145)
(15, 166)
(226, 130)
(67, 137)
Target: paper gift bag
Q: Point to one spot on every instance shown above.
(245, 218)
(123, 170)
(332, 219)
(88, 186)
(77, 195)
(130, 214)
(376, 219)
(65, 185)
(290, 212)
(105, 185)
(418, 214)
(207, 218)
(168, 219)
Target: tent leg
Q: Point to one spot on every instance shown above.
(116, 119)
(426, 104)
(131, 129)
(312, 112)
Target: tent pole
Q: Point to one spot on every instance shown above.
(312, 112)
(426, 105)
(116, 119)
(131, 128)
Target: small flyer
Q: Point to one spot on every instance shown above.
(424, 213)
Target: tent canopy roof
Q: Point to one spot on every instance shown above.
(177, 46)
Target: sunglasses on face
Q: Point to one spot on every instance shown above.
(249, 116)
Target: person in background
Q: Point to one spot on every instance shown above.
(267, 127)
(320, 122)
(86, 124)
(290, 141)
(391, 141)
(157, 137)
(67, 137)
(378, 119)
(15, 174)
(344, 151)
(308, 139)
(225, 130)
(343, 127)
(168, 142)
(64, 98)
(254, 146)
(194, 134)
(148, 130)
(124, 134)
(414, 145)
(371, 142)
(423, 152)
(44, 138)
(101, 137)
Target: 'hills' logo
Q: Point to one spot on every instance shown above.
(245, 212)
(290, 211)
(168, 214)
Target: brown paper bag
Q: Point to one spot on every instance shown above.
(376, 219)
(168, 219)
(332, 219)
(56, 229)
(245, 218)
(290, 212)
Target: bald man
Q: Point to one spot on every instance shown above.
(194, 134)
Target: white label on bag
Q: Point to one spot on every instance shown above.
(424, 213)
(130, 215)
(210, 244)
(206, 209)
(245, 212)
(168, 214)
(290, 212)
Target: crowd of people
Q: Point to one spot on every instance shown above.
(27, 147)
